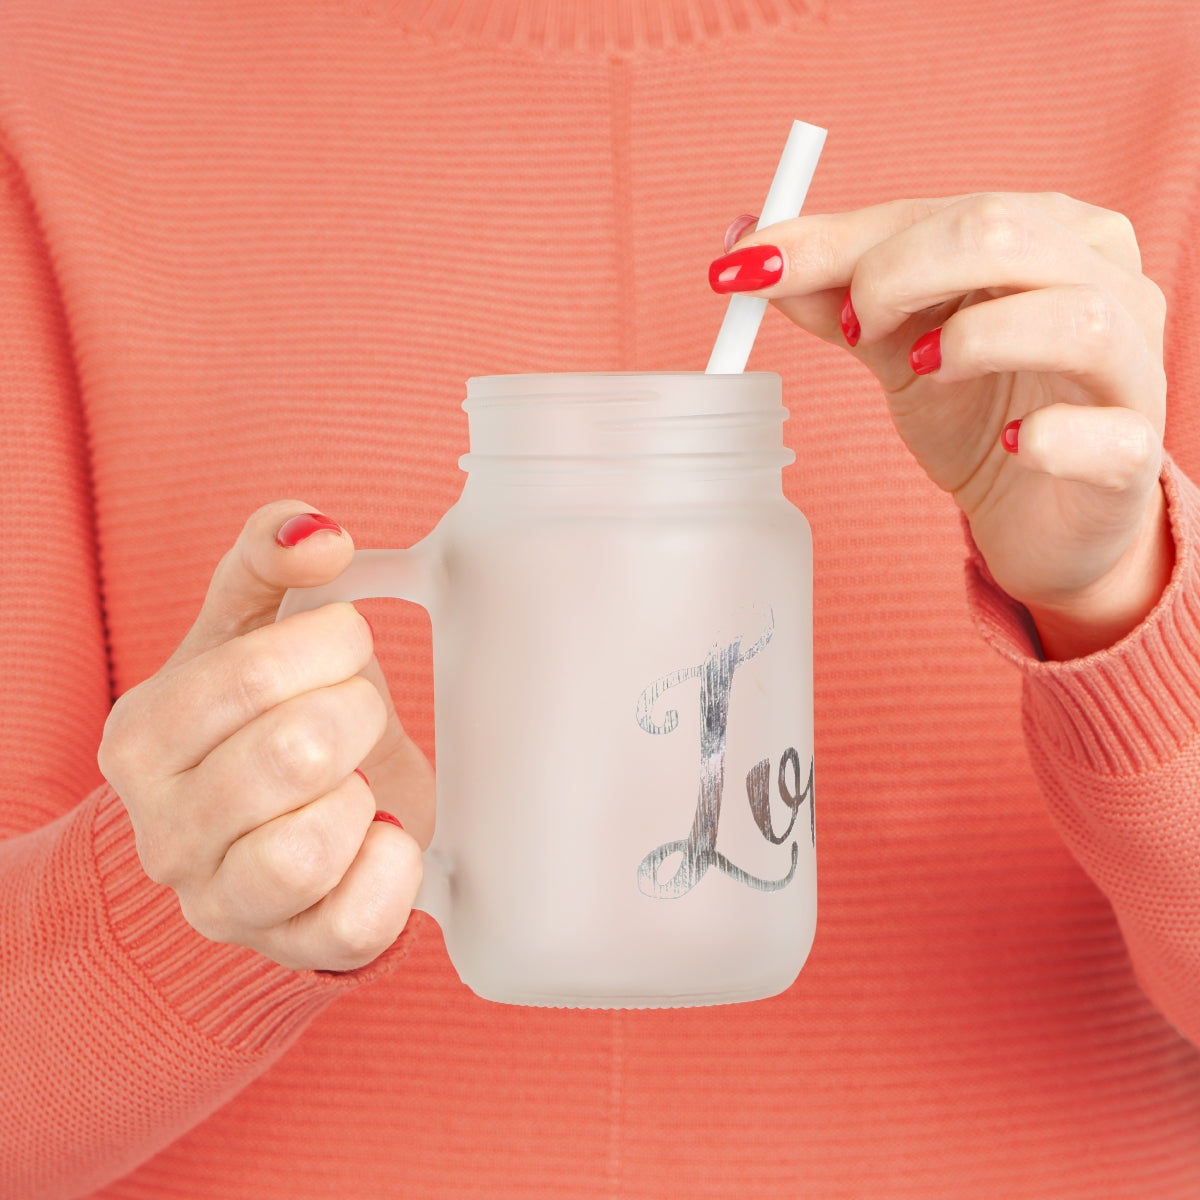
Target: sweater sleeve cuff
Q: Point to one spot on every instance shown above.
(1125, 709)
(236, 997)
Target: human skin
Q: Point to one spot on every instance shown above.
(1045, 317)
(237, 762)
(237, 759)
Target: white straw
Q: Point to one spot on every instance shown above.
(788, 189)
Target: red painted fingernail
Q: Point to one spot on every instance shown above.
(380, 815)
(926, 353)
(1009, 436)
(851, 330)
(362, 777)
(737, 227)
(746, 270)
(295, 529)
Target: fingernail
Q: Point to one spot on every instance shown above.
(851, 330)
(1009, 436)
(380, 815)
(737, 227)
(926, 353)
(746, 270)
(362, 777)
(295, 529)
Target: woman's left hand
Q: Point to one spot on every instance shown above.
(978, 312)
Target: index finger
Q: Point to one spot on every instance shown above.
(188, 710)
(820, 251)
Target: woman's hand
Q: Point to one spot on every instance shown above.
(237, 762)
(979, 312)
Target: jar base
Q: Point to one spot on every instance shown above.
(594, 1001)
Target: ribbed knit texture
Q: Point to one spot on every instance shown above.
(252, 251)
(1108, 713)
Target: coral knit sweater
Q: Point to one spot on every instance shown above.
(253, 250)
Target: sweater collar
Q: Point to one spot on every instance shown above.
(616, 26)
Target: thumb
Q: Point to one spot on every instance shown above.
(283, 545)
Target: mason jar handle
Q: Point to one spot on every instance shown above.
(400, 575)
(395, 574)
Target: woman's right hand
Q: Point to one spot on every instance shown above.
(237, 762)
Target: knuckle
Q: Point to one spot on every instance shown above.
(817, 254)
(211, 918)
(360, 934)
(878, 285)
(298, 751)
(120, 753)
(160, 857)
(113, 753)
(297, 859)
(915, 209)
(1140, 445)
(1112, 234)
(1090, 318)
(1116, 476)
(969, 341)
(199, 914)
(351, 633)
(1127, 452)
(1156, 301)
(410, 865)
(1117, 229)
(994, 226)
(371, 712)
(258, 679)
(1059, 206)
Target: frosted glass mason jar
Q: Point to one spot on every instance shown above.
(621, 602)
